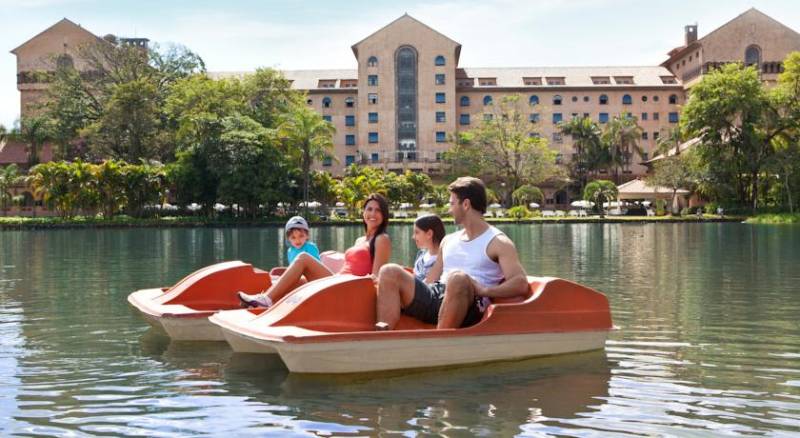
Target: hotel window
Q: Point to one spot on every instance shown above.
(627, 99)
(439, 78)
(644, 136)
(559, 158)
(438, 156)
(556, 100)
(327, 118)
(557, 137)
(488, 117)
(373, 117)
(601, 80)
(574, 98)
(372, 98)
(464, 119)
(372, 80)
(309, 102)
(349, 159)
(644, 98)
(585, 115)
(585, 98)
(673, 117)
(439, 60)
(440, 137)
(673, 99)
(487, 82)
(644, 156)
(375, 157)
(533, 100)
(655, 136)
(644, 116)
(326, 102)
(623, 80)
(327, 161)
(487, 100)
(557, 117)
(464, 101)
(440, 98)
(373, 137)
(349, 120)
(655, 116)
(350, 140)
(655, 98)
(555, 80)
(440, 117)
(752, 56)
(532, 81)
(349, 102)
(603, 118)
(603, 99)
(534, 118)
(372, 61)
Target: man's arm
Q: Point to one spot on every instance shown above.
(502, 249)
(435, 273)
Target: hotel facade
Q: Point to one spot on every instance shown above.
(409, 92)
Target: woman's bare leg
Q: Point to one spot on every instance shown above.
(303, 266)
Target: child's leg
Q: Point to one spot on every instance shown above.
(303, 266)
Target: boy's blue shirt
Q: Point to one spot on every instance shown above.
(307, 247)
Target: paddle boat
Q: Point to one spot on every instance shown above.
(327, 326)
(182, 310)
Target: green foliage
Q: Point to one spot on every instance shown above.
(505, 151)
(591, 154)
(519, 212)
(674, 173)
(661, 207)
(621, 137)
(527, 194)
(600, 191)
(9, 178)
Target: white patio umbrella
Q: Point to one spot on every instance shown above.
(220, 207)
(340, 204)
(533, 205)
(646, 203)
(193, 207)
(495, 205)
(582, 204)
(426, 205)
(406, 205)
(613, 204)
(311, 204)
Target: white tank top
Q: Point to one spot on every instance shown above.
(470, 257)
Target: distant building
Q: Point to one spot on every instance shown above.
(396, 109)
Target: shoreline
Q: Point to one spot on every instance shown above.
(26, 223)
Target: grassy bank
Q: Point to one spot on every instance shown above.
(18, 223)
(775, 218)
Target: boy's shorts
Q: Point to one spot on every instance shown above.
(428, 300)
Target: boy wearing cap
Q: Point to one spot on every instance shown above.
(297, 235)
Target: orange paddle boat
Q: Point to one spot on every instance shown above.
(182, 310)
(327, 326)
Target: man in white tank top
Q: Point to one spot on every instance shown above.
(475, 264)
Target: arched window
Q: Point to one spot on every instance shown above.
(65, 61)
(603, 99)
(349, 102)
(464, 101)
(673, 99)
(533, 100)
(627, 100)
(372, 61)
(487, 100)
(439, 60)
(752, 56)
(326, 102)
(556, 100)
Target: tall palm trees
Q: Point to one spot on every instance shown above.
(622, 138)
(9, 177)
(305, 130)
(590, 155)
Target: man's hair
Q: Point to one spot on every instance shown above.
(468, 187)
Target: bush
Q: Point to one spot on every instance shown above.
(711, 208)
(519, 212)
(661, 207)
(684, 211)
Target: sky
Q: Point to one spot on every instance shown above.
(242, 35)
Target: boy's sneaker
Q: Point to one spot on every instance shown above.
(255, 300)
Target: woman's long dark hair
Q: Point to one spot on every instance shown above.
(431, 222)
(384, 206)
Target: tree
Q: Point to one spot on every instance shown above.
(143, 185)
(323, 188)
(786, 160)
(505, 148)
(34, 132)
(9, 178)
(600, 191)
(110, 180)
(673, 173)
(590, 152)
(527, 194)
(51, 181)
(309, 137)
(621, 137)
(736, 121)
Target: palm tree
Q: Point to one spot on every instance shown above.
(588, 148)
(34, 133)
(600, 191)
(621, 136)
(307, 131)
(9, 177)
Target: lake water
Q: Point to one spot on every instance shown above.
(709, 342)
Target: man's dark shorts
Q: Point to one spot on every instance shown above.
(428, 300)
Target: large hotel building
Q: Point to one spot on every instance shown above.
(409, 92)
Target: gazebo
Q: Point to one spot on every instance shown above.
(638, 189)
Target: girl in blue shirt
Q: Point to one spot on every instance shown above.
(428, 234)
